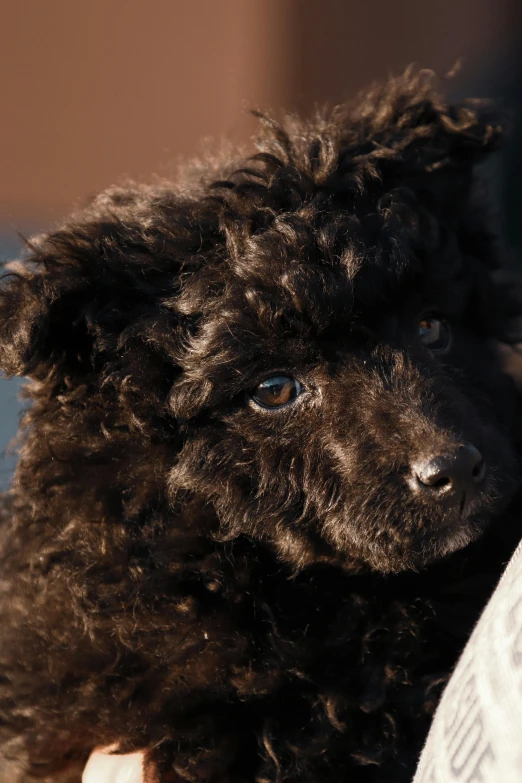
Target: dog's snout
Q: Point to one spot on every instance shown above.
(457, 472)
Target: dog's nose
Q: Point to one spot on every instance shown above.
(458, 472)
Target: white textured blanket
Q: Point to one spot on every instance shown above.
(476, 736)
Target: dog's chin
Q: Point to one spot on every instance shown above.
(455, 532)
(455, 535)
(416, 553)
(438, 536)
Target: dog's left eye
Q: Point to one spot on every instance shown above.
(434, 333)
(277, 391)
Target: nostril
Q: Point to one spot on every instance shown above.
(440, 483)
(434, 474)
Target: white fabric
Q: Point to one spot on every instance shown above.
(104, 768)
(476, 736)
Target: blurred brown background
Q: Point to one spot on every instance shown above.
(95, 91)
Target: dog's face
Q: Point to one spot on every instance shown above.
(355, 410)
(315, 335)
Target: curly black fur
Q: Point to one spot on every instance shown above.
(257, 595)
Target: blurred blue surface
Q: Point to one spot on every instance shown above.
(10, 406)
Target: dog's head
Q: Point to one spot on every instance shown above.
(310, 339)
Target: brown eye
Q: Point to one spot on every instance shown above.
(277, 391)
(434, 333)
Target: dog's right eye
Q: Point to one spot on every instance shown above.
(277, 391)
(434, 333)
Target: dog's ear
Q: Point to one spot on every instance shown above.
(98, 284)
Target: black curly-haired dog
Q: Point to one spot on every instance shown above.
(268, 427)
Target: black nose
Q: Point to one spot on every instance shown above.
(457, 472)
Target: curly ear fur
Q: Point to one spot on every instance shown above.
(106, 269)
(126, 615)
